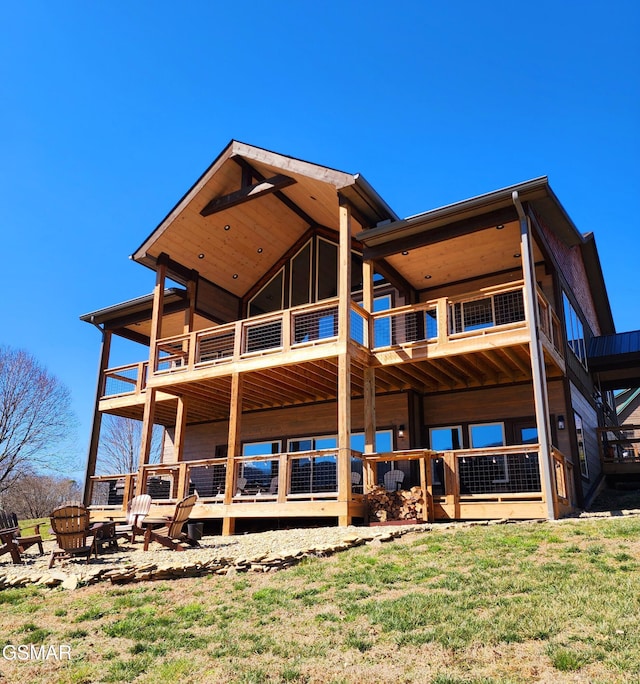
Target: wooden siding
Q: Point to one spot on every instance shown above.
(587, 412)
(572, 267)
(494, 404)
(282, 424)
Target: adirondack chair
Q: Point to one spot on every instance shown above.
(137, 510)
(393, 479)
(11, 540)
(171, 534)
(75, 536)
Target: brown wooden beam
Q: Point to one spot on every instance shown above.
(290, 204)
(264, 187)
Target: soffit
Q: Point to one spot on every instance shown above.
(241, 243)
(462, 258)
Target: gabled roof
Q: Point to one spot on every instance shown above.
(248, 208)
(465, 217)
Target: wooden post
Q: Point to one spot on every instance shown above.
(181, 425)
(452, 488)
(283, 478)
(150, 393)
(540, 395)
(344, 362)
(233, 450)
(92, 455)
(369, 379)
(190, 346)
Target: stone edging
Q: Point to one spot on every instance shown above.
(14, 576)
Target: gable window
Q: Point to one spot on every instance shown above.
(309, 275)
(270, 298)
(575, 331)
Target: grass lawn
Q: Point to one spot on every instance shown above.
(513, 603)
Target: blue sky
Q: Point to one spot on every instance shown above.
(109, 111)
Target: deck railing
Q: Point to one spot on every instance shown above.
(129, 379)
(440, 321)
(291, 328)
(550, 324)
(620, 448)
(453, 479)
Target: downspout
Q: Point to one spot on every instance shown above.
(540, 397)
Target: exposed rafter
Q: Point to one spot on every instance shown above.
(247, 193)
(256, 175)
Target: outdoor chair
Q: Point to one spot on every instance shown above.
(393, 479)
(70, 524)
(241, 483)
(171, 534)
(137, 510)
(10, 539)
(75, 535)
(273, 487)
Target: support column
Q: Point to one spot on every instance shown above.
(344, 362)
(540, 396)
(233, 449)
(369, 380)
(181, 424)
(150, 393)
(92, 455)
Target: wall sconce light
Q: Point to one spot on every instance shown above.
(561, 423)
(401, 431)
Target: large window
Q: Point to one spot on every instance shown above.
(258, 476)
(575, 331)
(310, 275)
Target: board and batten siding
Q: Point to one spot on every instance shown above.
(587, 412)
(495, 404)
(288, 423)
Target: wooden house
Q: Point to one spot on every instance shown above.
(318, 341)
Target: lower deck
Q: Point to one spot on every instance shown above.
(465, 484)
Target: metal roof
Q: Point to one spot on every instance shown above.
(615, 359)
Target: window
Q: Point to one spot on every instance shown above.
(301, 277)
(582, 454)
(447, 438)
(486, 436)
(258, 474)
(310, 275)
(575, 331)
(270, 298)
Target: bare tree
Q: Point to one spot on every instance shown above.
(120, 445)
(35, 496)
(35, 417)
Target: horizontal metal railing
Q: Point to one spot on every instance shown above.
(129, 379)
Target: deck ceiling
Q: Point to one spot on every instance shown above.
(463, 258)
(235, 246)
(316, 381)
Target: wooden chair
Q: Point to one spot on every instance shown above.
(137, 511)
(171, 534)
(393, 479)
(74, 536)
(11, 539)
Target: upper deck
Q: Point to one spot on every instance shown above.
(289, 357)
